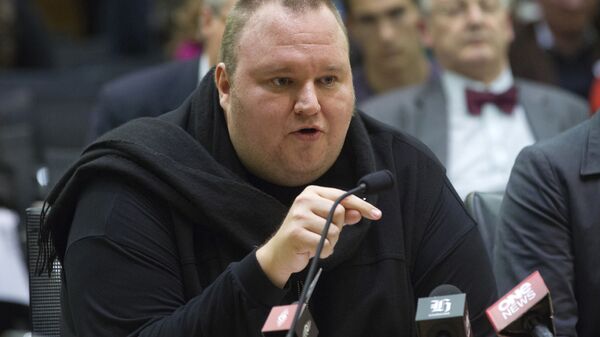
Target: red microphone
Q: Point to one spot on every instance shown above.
(280, 321)
(525, 311)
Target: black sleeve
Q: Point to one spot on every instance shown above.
(452, 252)
(534, 234)
(122, 275)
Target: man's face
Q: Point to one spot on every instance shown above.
(568, 16)
(290, 102)
(387, 32)
(467, 34)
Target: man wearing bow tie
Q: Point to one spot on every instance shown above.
(475, 116)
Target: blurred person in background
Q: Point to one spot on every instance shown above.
(594, 98)
(387, 34)
(14, 290)
(561, 48)
(14, 198)
(162, 88)
(476, 116)
(24, 42)
(185, 41)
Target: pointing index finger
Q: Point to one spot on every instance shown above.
(353, 202)
(366, 209)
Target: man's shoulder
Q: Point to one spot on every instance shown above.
(399, 106)
(153, 78)
(550, 93)
(394, 99)
(561, 153)
(399, 143)
(148, 92)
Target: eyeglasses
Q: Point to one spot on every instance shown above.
(455, 8)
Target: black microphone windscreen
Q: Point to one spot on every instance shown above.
(444, 289)
(377, 181)
(443, 313)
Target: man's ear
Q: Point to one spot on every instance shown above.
(223, 85)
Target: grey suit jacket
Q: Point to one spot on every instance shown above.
(421, 111)
(550, 221)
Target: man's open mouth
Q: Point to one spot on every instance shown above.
(308, 131)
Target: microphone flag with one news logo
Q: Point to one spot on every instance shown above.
(445, 315)
(280, 319)
(523, 308)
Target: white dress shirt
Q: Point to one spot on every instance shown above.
(203, 66)
(482, 149)
(14, 284)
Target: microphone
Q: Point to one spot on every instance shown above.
(376, 181)
(278, 322)
(525, 311)
(444, 313)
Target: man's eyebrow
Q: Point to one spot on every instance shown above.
(334, 68)
(373, 15)
(269, 70)
(278, 70)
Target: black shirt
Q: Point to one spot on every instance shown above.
(122, 268)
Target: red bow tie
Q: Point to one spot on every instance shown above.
(505, 101)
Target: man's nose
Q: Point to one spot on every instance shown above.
(386, 30)
(307, 102)
(474, 13)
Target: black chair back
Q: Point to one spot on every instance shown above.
(44, 290)
(484, 207)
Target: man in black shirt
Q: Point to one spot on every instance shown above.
(196, 223)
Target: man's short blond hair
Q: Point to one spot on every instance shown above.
(244, 9)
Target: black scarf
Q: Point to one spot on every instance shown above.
(186, 158)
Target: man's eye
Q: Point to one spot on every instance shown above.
(328, 80)
(489, 6)
(367, 20)
(396, 14)
(281, 81)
